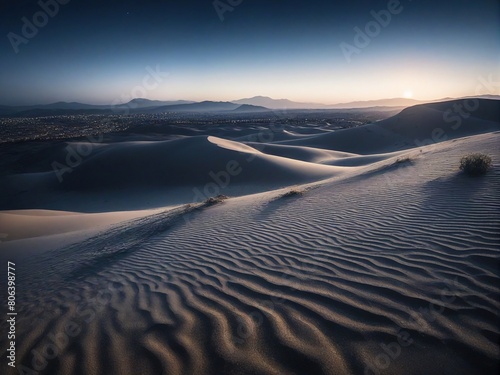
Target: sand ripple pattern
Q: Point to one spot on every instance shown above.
(312, 284)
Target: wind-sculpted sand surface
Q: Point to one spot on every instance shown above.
(387, 265)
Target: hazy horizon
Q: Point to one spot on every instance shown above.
(234, 100)
(327, 53)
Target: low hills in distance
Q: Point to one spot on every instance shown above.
(249, 105)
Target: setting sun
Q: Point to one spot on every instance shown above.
(408, 94)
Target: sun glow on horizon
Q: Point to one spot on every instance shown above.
(408, 94)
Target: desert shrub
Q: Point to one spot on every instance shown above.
(214, 200)
(403, 159)
(475, 164)
(292, 193)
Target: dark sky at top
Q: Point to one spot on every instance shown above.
(102, 51)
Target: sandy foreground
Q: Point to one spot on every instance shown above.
(362, 251)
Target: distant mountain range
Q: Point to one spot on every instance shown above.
(146, 103)
(394, 102)
(264, 101)
(248, 105)
(134, 106)
(267, 102)
(203, 107)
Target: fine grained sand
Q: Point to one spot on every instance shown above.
(378, 267)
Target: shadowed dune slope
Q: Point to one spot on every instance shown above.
(186, 162)
(125, 172)
(413, 127)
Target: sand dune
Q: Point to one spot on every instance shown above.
(184, 162)
(309, 154)
(370, 266)
(168, 172)
(279, 135)
(36, 223)
(413, 127)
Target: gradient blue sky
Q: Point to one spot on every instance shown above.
(97, 53)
